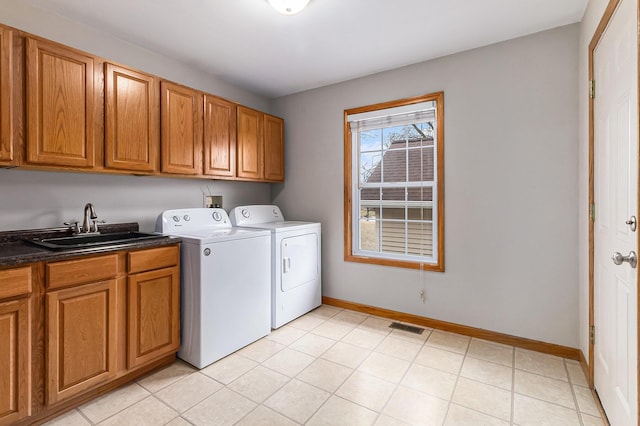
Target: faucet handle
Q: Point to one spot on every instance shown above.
(75, 224)
(95, 225)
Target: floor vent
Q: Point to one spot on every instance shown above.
(405, 327)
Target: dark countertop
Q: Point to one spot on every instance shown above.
(15, 251)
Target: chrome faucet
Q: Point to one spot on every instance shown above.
(89, 210)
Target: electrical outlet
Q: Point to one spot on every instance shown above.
(213, 201)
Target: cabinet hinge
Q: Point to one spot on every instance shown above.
(592, 89)
(592, 212)
(592, 335)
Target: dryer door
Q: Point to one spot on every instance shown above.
(299, 260)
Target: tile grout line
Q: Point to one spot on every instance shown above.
(480, 382)
(513, 385)
(397, 385)
(258, 404)
(316, 358)
(184, 378)
(84, 416)
(325, 320)
(153, 395)
(132, 405)
(290, 379)
(378, 412)
(185, 419)
(573, 392)
(180, 414)
(123, 409)
(347, 378)
(455, 385)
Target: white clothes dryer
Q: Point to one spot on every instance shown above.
(296, 260)
(225, 283)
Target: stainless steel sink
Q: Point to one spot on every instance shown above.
(95, 240)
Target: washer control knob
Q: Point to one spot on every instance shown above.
(176, 218)
(207, 251)
(246, 213)
(216, 216)
(187, 217)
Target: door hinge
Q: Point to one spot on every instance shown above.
(592, 212)
(592, 335)
(592, 89)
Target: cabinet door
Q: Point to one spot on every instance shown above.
(7, 154)
(154, 315)
(15, 361)
(250, 144)
(181, 135)
(219, 137)
(132, 134)
(81, 338)
(273, 148)
(60, 106)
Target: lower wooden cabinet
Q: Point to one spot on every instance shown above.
(154, 315)
(81, 338)
(75, 328)
(101, 308)
(15, 361)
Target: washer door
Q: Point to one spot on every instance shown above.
(299, 260)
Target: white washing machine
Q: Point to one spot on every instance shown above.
(225, 283)
(296, 255)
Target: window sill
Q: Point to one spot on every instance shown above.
(433, 267)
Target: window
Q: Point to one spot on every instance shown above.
(394, 169)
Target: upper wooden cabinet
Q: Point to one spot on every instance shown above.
(60, 105)
(219, 137)
(61, 108)
(132, 136)
(7, 153)
(260, 146)
(273, 148)
(250, 144)
(181, 129)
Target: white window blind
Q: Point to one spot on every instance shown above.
(391, 117)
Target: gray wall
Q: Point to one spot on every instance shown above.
(511, 181)
(34, 199)
(19, 14)
(30, 199)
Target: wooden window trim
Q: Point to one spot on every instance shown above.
(438, 97)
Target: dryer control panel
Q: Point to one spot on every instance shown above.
(182, 220)
(252, 215)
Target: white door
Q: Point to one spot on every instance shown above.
(616, 199)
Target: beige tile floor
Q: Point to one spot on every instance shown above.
(339, 367)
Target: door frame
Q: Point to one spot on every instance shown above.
(602, 25)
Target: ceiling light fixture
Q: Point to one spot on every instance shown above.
(288, 7)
